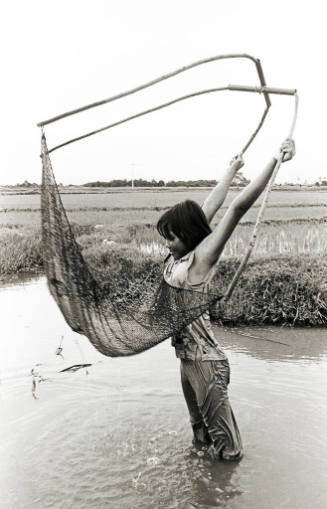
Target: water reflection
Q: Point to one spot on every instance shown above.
(283, 344)
(213, 484)
(120, 436)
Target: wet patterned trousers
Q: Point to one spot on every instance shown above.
(205, 389)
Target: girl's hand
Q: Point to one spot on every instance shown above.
(288, 150)
(237, 162)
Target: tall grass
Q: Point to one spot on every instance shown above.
(285, 281)
(286, 290)
(20, 252)
(287, 238)
(20, 247)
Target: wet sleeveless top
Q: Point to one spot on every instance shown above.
(196, 341)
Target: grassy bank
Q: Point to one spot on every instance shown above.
(284, 282)
(20, 244)
(285, 289)
(20, 251)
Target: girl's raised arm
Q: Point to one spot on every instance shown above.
(217, 196)
(209, 250)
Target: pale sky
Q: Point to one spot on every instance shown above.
(60, 55)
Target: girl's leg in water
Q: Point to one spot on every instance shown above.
(209, 381)
(200, 431)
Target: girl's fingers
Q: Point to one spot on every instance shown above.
(288, 154)
(288, 149)
(237, 160)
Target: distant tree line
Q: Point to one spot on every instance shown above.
(126, 183)
(26, 183)
(191, 183)
(239, 180)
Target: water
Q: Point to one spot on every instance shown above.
(118, 436)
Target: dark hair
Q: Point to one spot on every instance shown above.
(187, 221)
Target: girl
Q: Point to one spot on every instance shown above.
(194, 251)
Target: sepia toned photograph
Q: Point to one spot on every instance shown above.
(163, 255)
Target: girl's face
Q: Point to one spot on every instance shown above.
(176, 247)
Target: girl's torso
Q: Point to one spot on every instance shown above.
(196, 341)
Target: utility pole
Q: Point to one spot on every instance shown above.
(132, 165)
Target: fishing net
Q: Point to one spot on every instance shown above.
(126, 326)
(116, 327)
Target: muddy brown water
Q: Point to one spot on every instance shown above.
(118, 436)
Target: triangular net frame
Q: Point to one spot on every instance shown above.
(121, 327)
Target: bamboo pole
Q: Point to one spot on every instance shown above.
(256, 131)
(265, 89)
(156, 108)
(183, 98)
(262, 81)
(137, 115)
(262, 90)
(261, 210)
(162, 78)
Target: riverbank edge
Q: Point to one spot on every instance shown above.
(284, 290)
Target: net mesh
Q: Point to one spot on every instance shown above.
(116, 327)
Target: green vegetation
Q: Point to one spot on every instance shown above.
(284, 283)
(288, 290)
(20, 251)
(239, 180)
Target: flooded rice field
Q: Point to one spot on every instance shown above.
(116, 434)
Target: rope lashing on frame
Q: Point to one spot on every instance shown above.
(134, 322)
